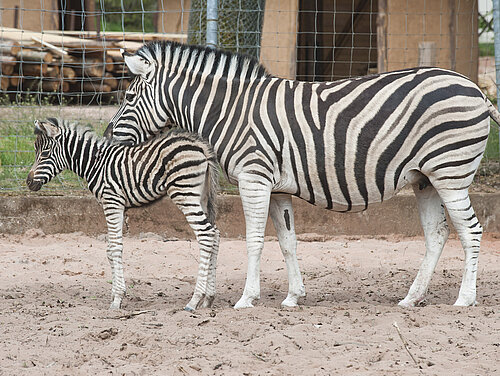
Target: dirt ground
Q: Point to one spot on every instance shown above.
(55, 291)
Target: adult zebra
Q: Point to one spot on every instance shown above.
(341, 145)
(177, 164)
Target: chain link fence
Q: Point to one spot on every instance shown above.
(60, 58)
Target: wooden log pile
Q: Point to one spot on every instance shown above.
(79, 63)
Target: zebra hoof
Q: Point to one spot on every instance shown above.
(243, 303)
(116, 304)
(207, 302)
(406, 303)
(289, 303)
(465, 303)
(188, 309)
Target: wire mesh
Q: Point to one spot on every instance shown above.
(61, 57)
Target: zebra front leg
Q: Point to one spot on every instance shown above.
(436, 231)
(470, 233)
(255, 195)
(114, 219)
(281, 211)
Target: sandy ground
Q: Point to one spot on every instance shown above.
(55, 290)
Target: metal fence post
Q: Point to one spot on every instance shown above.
(496, 29)
(212, 20)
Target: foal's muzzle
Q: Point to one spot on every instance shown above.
(33, 185)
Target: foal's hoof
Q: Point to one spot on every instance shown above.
(115, 306)
(188, 309)
(207, 302)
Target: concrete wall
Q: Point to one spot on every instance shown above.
(63, 214)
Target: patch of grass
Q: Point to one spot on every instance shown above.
(492, 151)
(486, 49)
(17, 154)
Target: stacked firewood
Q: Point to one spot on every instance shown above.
(69, 62)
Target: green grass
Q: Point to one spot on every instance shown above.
(486, 49)
(17, 154)
(128, 15)
(492, 151)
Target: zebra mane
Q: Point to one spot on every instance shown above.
(87, 132)
(163, 52)
(75, 128)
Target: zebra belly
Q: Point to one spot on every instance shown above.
(331, 193)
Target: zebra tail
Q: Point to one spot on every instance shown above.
(212, 183)
(494, 114)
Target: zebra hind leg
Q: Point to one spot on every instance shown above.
(281, 212)
(207, 236)
(470, 233)
(208, 198)
(212, 268)
(436, 231)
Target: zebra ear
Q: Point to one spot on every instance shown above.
(137, 65)
(46, 128)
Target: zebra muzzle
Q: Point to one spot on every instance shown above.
(33, 185)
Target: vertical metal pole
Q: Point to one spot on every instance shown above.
(496, 29)
(212, 19)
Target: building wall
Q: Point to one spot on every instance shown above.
(173, 16)
(446, 23)
(34, 15)
(409, 23)
(279, 38)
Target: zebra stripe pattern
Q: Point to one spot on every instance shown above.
(177, 164)
(341, 145)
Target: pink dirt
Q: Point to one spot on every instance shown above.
(55, 293)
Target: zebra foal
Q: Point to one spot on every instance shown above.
(340, 145)
(177, 164)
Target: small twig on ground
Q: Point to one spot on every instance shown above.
(259, 357)
(349, 343)
(130, 315)
(193, 256)
(152, 325)
(405, 344)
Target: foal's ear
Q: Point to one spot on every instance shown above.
(137, 65)
(46, 128)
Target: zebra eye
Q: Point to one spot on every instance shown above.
(45, 153)
(129, 97)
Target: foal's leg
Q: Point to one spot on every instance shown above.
(433, 219)
(212, 268)
(114, 219)
(255, 195)
(281, 212)
(207, 236)
(470, 232)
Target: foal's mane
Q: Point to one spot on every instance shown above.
(158, 50)
(81, 130)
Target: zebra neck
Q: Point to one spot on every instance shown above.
(206, 106)
(85, 153)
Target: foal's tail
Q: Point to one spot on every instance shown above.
(494, 114)
(212, 186)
